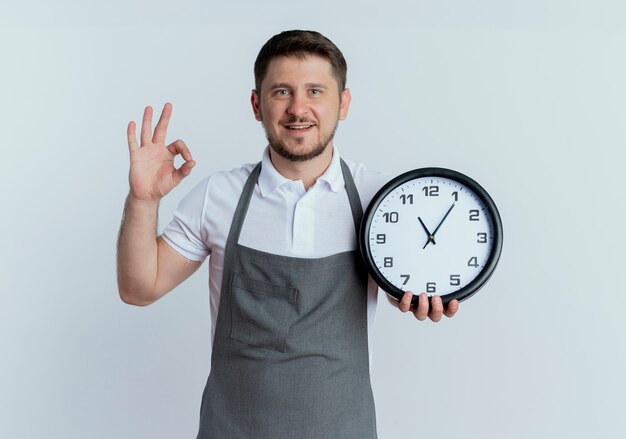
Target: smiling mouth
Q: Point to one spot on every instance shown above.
(298, 127)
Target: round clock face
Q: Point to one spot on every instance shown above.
(431, 230)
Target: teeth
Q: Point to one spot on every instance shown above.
(291, 127)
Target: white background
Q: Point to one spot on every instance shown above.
(527, 97)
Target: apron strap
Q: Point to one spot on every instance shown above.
(353, 196)
(242, 206)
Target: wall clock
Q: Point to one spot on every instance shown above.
(431, 230)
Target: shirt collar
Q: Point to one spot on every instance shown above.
(270, 179)
(333, 175)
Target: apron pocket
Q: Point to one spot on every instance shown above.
(262, 312)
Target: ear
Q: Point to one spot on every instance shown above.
(256, 105)
(344, 105)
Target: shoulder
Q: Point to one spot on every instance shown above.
(367, 181)
(224, 181)
(227, 181)
(219, 186)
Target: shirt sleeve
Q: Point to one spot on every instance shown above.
(185, 233)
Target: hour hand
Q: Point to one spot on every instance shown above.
(431, 237)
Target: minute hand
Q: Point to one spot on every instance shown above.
(444, 218)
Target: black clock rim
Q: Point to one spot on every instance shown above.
(479, 281)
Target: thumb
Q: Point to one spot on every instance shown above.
(183, 171)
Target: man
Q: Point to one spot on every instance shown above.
(290, 301)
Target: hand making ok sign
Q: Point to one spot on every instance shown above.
(152, 170)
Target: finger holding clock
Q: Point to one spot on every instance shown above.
(405, 303)
(421, 312)
(436, 309)
(451, 309)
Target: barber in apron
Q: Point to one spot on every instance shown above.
(290, 354)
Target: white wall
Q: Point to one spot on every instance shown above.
(526, 97)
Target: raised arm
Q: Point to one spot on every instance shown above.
(147, 267)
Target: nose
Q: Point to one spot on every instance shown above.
(298, 105)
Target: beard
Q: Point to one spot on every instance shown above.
(279, 147)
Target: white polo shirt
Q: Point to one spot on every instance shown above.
(283, 218)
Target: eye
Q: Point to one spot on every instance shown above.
(281, 92)
(316, 91)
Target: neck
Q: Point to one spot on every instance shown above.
(308, 171)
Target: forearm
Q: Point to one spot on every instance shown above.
(137, 252)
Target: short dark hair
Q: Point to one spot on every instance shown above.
(300, 43)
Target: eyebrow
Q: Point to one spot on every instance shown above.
(315, 85)
(307, 85)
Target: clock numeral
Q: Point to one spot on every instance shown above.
(473, 215)
(388, 262)
(381, 238)
(455, 280)
(431, 287)
(406, 278)
(406, 198)
(482, 238)
(431, 191)
(455, 194)
(391, 217)
(473, 262)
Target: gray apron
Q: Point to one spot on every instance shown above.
(290, 353)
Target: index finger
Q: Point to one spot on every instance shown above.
(161, 129)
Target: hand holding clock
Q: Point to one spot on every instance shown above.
(433, 308)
